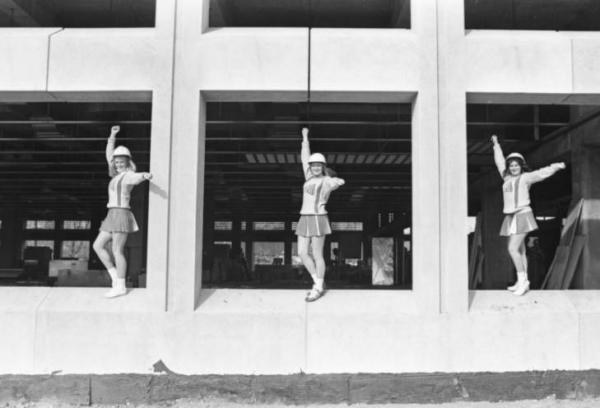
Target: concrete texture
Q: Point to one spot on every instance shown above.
(250, 332)
(302, 389)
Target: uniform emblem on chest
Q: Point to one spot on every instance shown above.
(310, 188)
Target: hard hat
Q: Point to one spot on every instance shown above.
(515, 156)
(121, 151)
(317, 158)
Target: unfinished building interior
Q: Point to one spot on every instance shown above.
(53, 190)
(253, 189)
(561, 252)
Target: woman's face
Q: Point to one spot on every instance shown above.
(514, 168)
(316, 169)
(121, 163)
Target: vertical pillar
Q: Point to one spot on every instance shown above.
(498, 268)
(11, 237)
(136, 242)
(288, 238)
(187, 166)
(425, 164)
(160, 158)
(452, 155)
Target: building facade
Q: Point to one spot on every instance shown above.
(181, 64)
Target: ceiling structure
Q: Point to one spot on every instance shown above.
(576, 15)
(77, 13)
(310, 13)
(253, 155)
(52, 155)
(479, 14)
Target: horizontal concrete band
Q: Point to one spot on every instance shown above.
(301, 389)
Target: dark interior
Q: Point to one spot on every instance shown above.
(310, 13)
(53, 186)
(77, 13)
(560, 15)
(254, 184)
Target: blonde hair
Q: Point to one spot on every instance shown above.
(112, 169)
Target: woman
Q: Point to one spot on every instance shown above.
(119, 221)
(313, 225)
(519, 219)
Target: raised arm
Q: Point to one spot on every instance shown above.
(305, 152)
(544, 172)
(110, 144)
(498, 156)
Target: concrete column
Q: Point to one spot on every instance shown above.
(187, 164)
(11, 237)
(160, 158)
(136, 242)
(498, 268)
(453, 156)
(425, 165)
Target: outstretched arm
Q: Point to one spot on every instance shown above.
(544, 172)
(137, 178)
(498, 156)
(110, 145)
(335, 182)
(305, 152)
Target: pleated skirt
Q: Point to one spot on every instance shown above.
(119, 220)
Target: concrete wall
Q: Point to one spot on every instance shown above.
(181, 64)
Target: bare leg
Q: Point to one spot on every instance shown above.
(523, 250)
(118, 245)
(317, 244)
(100, 249)
(514, 245)
(307, 260)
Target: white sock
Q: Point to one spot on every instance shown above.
(521, 276)
(319, 283)
(113, 276)
(120, 284)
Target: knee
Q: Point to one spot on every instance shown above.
(118, 250)
(98, 247)
(318, 257)
(514, 250)
(303, 253)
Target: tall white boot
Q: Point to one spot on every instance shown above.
(119, 289)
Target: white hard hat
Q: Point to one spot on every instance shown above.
(121, 151)
(317, 158)
(515, 156)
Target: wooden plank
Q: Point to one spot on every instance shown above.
(555, 274)
(569, 230)
(576, 251)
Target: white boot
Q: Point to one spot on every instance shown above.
(521, 277)
(118, 289)
(513, 287)
(522, 288)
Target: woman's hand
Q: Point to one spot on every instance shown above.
(147, 176)
(114, 130)
(494, 139)
(560, 166)
(305, 133)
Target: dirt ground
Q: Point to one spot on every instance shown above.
(547, 403)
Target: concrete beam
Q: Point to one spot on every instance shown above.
(365, 60)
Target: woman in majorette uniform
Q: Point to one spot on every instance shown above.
(119, 221)
(313, 225)
(519, 219)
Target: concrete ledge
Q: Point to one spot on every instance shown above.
(302, 389)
